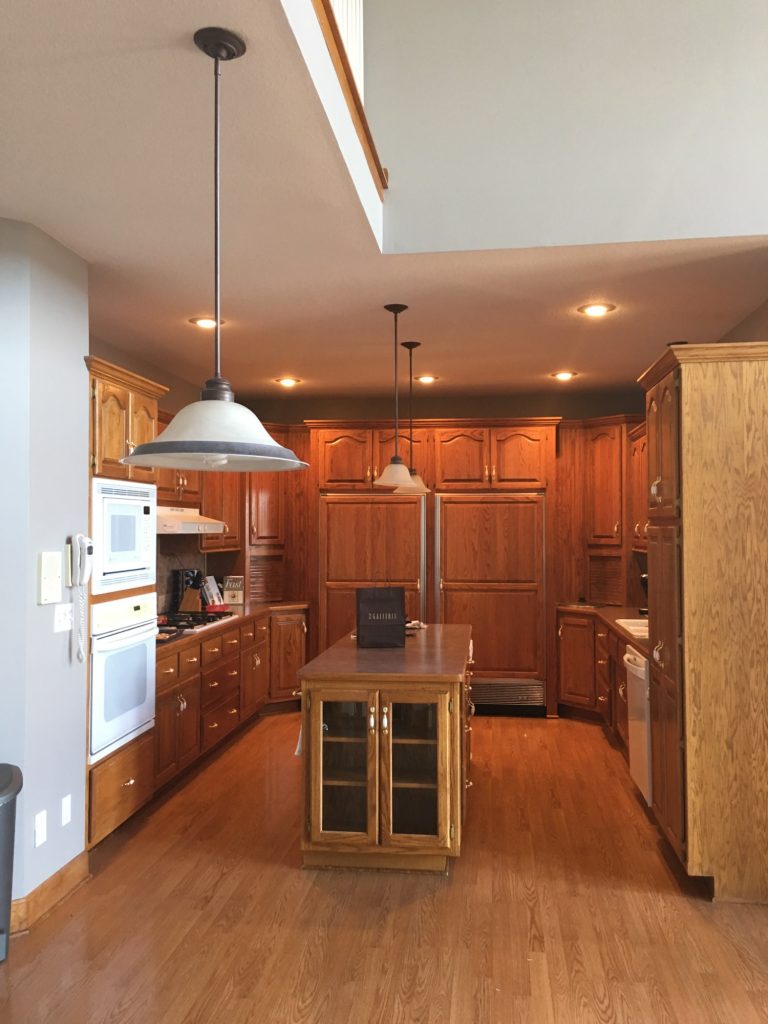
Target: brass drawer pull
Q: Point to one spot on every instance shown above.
(130, 782)
(602, 635)
(213, 650)
(213, 684)
(256, 661)
(191, 661)
(214, 725)
(304, 627)
(230, 642)
(385, 720)
(234, 672)
(602, 698)
(602, 661)
(232, 711)
(169, 671)
(468, 784)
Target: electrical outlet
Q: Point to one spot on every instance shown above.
(66, 809)
(62, 618)
(41, 828)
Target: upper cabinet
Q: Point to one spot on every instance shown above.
(345, 458)
(495, 458)
(638, 487)
(423, 462)
(223, 500)
(123, 416)
(604, 484)
(176, 486)
(663, 434)
(266, 505)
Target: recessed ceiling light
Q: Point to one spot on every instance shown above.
(426, 378)
(288, 382)
(564, 375)
(205, 322)
(596, 309)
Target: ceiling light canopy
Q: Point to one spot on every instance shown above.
(206, 322)
(596, 309)
(427, 378)
(564, 375)
(288, 382)
(216, 432)
(396, 473)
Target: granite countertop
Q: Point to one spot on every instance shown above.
(240, 612)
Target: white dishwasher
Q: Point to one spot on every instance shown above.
(639, 725)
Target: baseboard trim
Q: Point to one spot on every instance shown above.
(30, 908)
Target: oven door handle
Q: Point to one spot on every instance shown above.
(123, 638)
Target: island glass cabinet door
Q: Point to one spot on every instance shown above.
(344, 776)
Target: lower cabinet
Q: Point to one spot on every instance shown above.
(177, 729)
(220, 702)
(119, 785)
(288, 652)
(380, 769)
(576, 662)
(668, 760)
(254, 667)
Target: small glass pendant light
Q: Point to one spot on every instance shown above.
(216, 432)
(396, 473)
(415, 485)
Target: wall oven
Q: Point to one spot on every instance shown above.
(122, 672)
(123, 528)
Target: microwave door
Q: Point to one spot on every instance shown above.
(124, 534)
(122, 684)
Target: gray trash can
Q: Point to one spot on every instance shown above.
(10, 786)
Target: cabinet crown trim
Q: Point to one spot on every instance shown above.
(117, 375)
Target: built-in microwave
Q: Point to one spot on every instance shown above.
(123, 528)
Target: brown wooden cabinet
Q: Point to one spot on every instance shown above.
(288, 652)
(576, 659)
(176, 486)
(603, 674)
(345, 458)
(119, 785)
(604, 485)
(462, 458)
(662, 414)
(423, 460)
(177, 729)
(222, 499)
(638, 487)
(123, 415)
(254, 667)
(506, 458)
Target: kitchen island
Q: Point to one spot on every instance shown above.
(386, 751)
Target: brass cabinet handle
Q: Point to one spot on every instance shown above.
(657, 653)
(470, 661)
(656, 490)
(232, 711)
(486, 474)
(182, 702)
(231, 642)
(385, 720)
(256, 661)
(645, 529)
(467, 728)
(130, 782)
(214, 650)
(637, 529)
(375, 472)
(602, 661)
(493, 474)
(191, 661)
(602, 635)
(468, 784)
(372, 719)
(441, 582)
(304, 627)
(130, 445)
(264, 628)
(213, 684)
(471, 708)
(214, 725)
(622, 690)
(560, 632)
(295, 693)
(233, 673)
(368, 473)
(616, 528)
(602, 698)
(168, 671)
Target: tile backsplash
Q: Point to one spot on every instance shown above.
(181, 552)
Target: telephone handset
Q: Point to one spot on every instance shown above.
(80, 567)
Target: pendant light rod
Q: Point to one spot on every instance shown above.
(217, 215)
(396, 308)
(410, 345)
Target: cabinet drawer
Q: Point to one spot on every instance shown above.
(248, 634)
(189, 662)
(220, 682)
(212, 650)
(120, 785)
(220, 720)
(230, 643)
(166, 672)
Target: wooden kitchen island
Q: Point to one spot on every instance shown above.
(386, 752)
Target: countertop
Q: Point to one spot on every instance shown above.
(609, 614)
(435, 654)
(240, 612)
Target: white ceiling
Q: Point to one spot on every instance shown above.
(107, 115)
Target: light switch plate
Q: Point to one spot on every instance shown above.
(66, 809)
(62, 618)
(49, 577)
(41, 828)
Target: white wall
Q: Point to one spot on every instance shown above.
(526, 124)
(44, 301)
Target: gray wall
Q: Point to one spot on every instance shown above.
(515, 125)
(181, 392)
(752, 328)
(44, 292)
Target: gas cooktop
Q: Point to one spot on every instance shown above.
(175, 624)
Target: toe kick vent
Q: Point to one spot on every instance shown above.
(512, 692)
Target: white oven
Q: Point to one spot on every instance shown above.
(123, 528)
(122, 672)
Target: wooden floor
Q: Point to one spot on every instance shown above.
(561, 908)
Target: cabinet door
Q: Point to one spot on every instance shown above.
(222, 500)
(344, 775)
(603, 702)
(576, 637)
(461, 458)
(167, 480)
(142, 429)
(604, 519)
(188, 740)
(254, 679)
(190, 486)
(167, 711)
(110, 429)
(638, 483)
(664, 627)
(415, 764)
(288, 647)
(345, 458)
(663, 441)
(266, 513)
(384, 449)
(519, 457)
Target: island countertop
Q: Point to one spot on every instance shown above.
(436, 654)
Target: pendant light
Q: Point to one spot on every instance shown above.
(216, 432)
(415, 485)
(396, 474)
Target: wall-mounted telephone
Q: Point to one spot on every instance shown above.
(79, 565)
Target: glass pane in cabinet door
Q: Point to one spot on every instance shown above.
(414, 769)
(344, 766)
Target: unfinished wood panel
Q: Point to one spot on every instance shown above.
(724, 424)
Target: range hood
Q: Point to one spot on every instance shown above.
(186, 520)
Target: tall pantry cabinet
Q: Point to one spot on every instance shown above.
(707, 414)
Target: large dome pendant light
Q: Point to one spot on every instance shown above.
(396, 474)
(216, 432)
(415, 485)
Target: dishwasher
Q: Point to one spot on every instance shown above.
(639, 724)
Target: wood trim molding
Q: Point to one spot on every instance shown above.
(116, 375)
(333, 41)
(493, 421)
(30, 908)
(712, 352)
